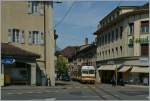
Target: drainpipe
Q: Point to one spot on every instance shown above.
(44, 38)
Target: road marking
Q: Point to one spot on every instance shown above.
(51, 91)
(28, 92)
(69, 87)
(38, 92)
(106, 95)
(90, 96)
(10, 93)
(19, 93)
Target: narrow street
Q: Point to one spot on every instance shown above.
(75, 91)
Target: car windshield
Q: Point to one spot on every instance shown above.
(91, 71)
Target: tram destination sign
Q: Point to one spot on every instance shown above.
(8, 60)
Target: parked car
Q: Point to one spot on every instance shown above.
(66, 78)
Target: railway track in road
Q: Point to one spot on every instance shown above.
(95, 92)
(109, 93)
(104, 91)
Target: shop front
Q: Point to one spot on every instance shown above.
(139, 75)
(107, 72)
(18, 66)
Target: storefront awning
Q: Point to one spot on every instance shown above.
(124, 69)
(137, 69)
(108, 67)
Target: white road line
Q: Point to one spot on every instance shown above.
(51, 91)
(19, 93)
(69, 87)
(106, 95)
(90, 96)
(28, 92)
(10, 93)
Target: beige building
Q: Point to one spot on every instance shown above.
(122, 45)
(28, 26)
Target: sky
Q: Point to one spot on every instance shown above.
(83, 18)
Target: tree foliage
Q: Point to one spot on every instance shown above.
(61, 65)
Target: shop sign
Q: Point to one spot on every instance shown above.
(142, 40)
(8, 60)
(144, 60)
(110, 62)
(138, 40)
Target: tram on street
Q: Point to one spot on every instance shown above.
(85, 74)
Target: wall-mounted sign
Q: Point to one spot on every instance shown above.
(140, 40)
(8, 60)
(111, 62)
(144, 60)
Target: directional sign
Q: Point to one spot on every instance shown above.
(8, 60)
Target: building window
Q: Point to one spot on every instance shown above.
(116, 33)
(102, 39)
(103, 54)
(144, 50)
(121, 31)
(112, 36)
(36, 37)
(116, 50)
(144, 27)
(112, 52)
(121, 50)
(106, 53)
(109, 37)
(131, 29)
(15, 35)
(106, 38)
(35, 7)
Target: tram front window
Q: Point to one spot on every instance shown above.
(91, 71)
(84, 72)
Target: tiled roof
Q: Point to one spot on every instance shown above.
(11, 50)
(69, 51)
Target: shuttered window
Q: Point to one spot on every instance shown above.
(144, 50)
(144, 27)
(15, 35)
(36, 37)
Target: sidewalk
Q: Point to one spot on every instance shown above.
(59, 84)
(119, 86)
(141, 86)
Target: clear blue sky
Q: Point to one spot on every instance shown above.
(83, 18)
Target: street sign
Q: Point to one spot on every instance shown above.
(8, 60)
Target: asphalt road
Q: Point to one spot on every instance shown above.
(75, 91)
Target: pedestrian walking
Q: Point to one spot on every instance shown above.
(113, 81)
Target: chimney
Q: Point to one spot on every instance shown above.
(86, 41)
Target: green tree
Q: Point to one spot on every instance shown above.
(61, 65)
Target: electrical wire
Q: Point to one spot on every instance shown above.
(64, 15)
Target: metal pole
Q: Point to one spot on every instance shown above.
(116, 75)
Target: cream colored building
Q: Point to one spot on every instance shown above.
(28, 25)
(122, 41)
